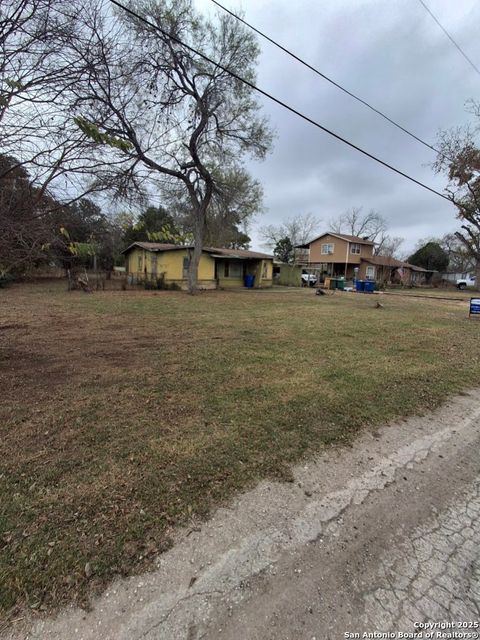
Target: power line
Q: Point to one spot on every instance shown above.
(448, 36)
(277, 100)
(327, 78)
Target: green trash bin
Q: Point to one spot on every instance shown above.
(336, 283)
(341, 284)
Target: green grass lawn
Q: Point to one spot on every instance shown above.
(125, 414)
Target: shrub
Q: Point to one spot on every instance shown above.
(5, 279)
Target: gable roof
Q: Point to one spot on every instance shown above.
(219, 251)
(153, 246)
(342, 236)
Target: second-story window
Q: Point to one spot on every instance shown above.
(327, 249)
(355, 248)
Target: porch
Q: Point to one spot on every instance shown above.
(231, 272)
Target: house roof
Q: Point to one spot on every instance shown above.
(153, 246)
(414, 267)
(387, 261)
(218, 251)
(342, 236)
(237, 253)
(383, 261)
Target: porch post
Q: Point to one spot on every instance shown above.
(346, 259)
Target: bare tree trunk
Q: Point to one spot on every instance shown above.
(477, 274)
(197, 252)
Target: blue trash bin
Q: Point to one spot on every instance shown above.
(360, 285)
(369, 286)
(249, 281)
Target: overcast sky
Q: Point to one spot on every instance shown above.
(392, 54)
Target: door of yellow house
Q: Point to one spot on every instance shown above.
(154, 264)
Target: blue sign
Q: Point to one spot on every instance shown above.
(474, 307)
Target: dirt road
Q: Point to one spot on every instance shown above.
(378, 537)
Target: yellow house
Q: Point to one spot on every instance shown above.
(219, 268)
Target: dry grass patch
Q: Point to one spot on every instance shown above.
(124, 414)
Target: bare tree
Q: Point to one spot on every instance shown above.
(356, 223)
(161, 117)
(459, 158)
(371, 226)
(36, 128)
(237, 198)
(389, 246)
(46, 160)
(461, 259)
(299, 229)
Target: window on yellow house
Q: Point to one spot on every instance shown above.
(186, 266)
(140, 263)
(265, 270)
(236, 270)
(233, 269)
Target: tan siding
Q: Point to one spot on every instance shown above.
(341, 247)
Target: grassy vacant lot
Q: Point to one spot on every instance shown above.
(126, 413)
(438, 292)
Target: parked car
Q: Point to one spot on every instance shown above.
(309, 279)
(463, 283)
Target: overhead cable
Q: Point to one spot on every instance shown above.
(277, 100)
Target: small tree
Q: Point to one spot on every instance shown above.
(25, 219)
(431, 256)
(284, 250)
(150, 226)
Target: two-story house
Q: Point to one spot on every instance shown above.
(337, 254)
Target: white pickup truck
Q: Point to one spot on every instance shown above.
(468, 281)
(309, 279)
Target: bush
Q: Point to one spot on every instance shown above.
(150, 284)
(159, 283)
(5, 279)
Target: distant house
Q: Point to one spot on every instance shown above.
(337, 254)
(218, 267)
(395, 271)
(453, 276)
